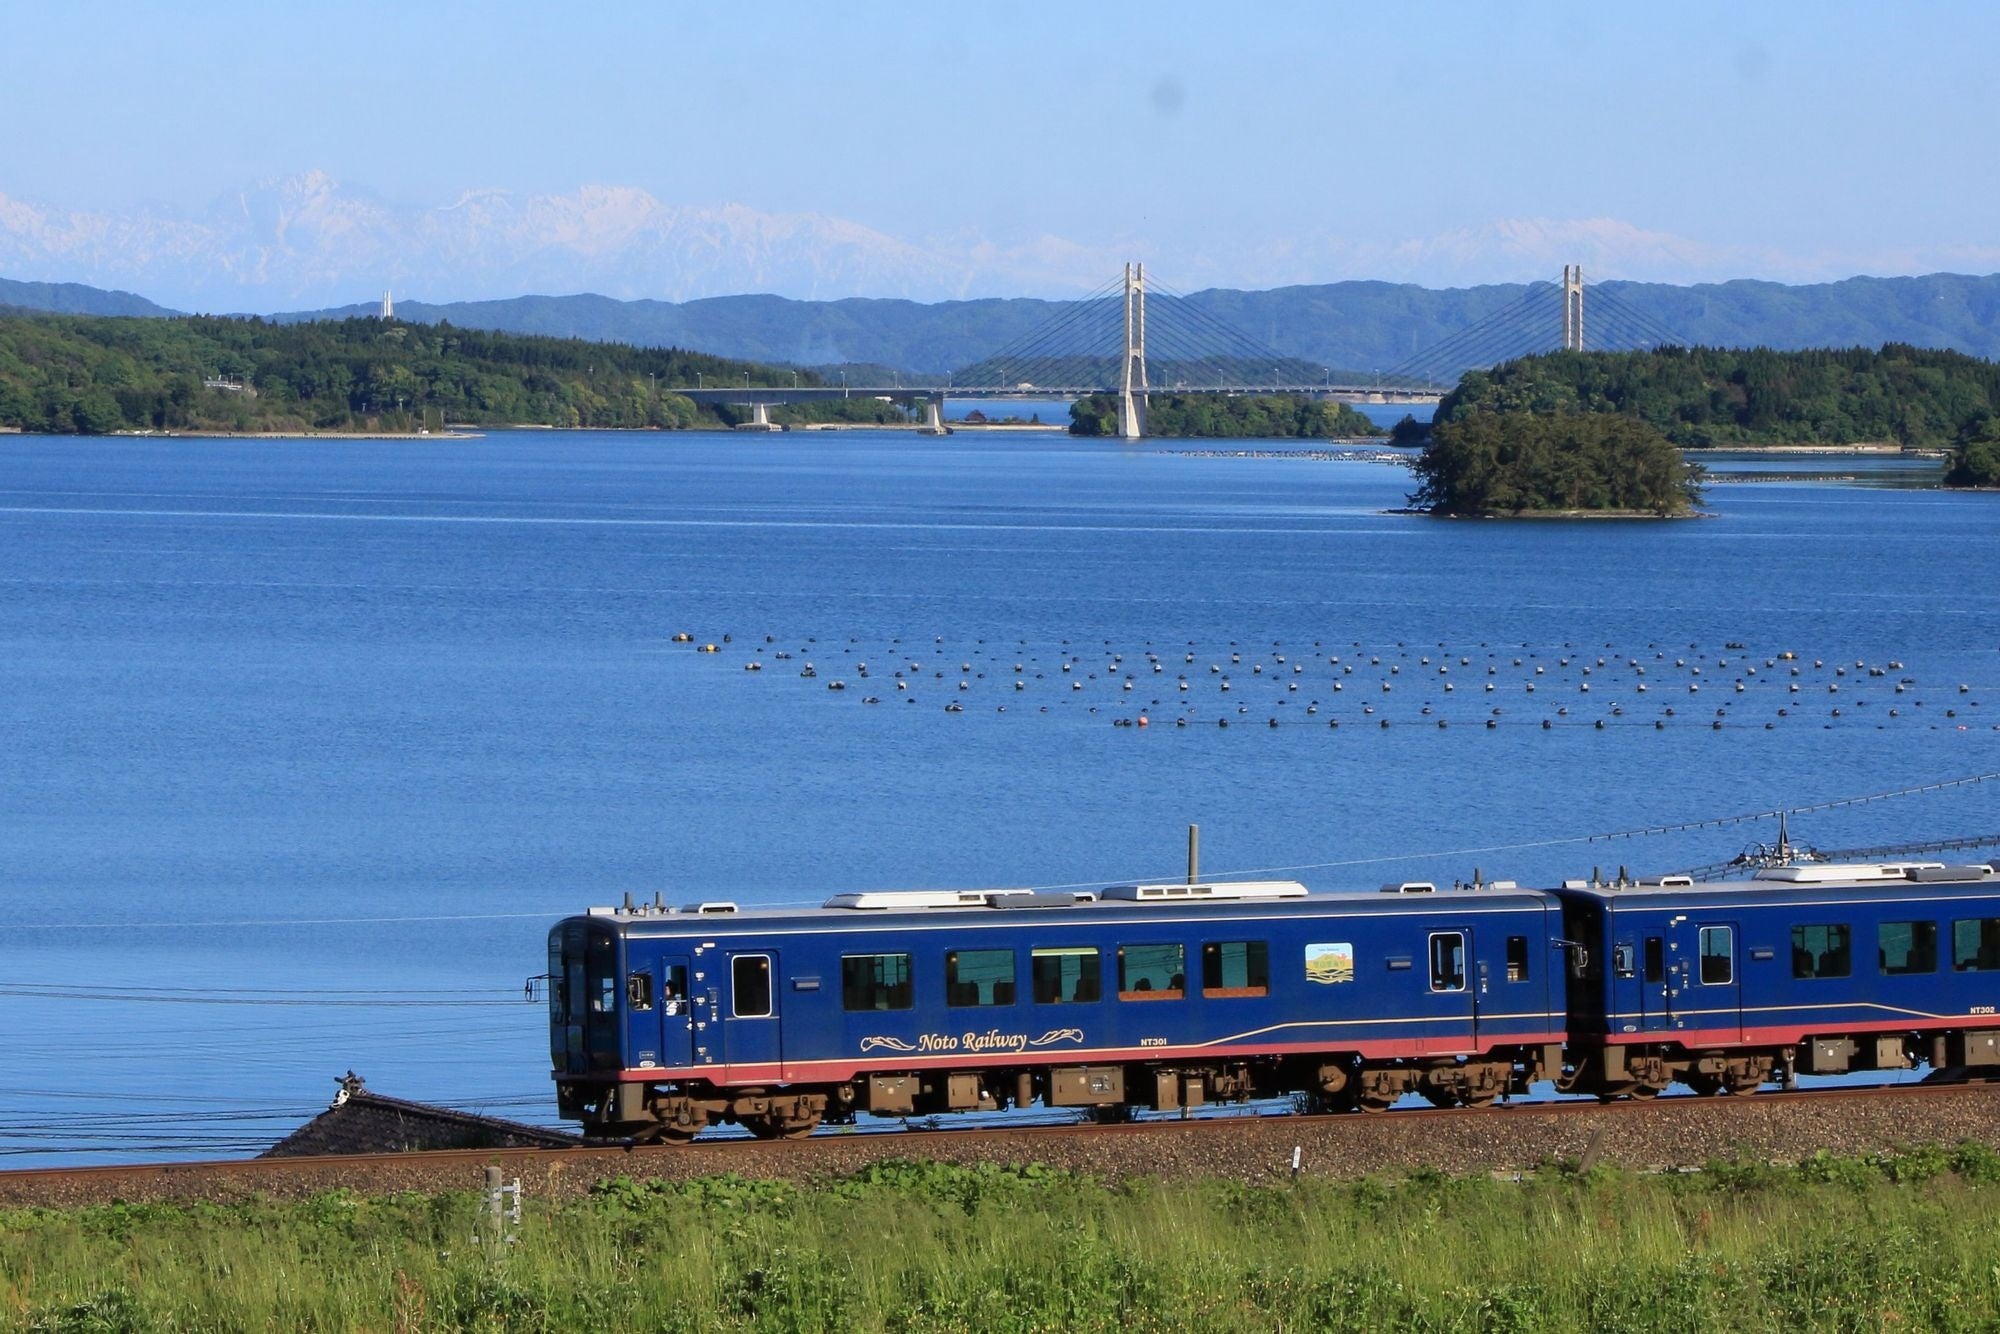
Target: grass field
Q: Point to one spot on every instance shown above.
(1907, 1241)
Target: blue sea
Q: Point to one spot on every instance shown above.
(304, 744)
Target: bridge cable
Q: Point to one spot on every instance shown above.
(1655, 328)
(1068, 314)
(1447, 351)
(1088, 319)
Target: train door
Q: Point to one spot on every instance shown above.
(1456, 983)
(1657, 965)
(1709, 985)
(749, 1012)
(676, 1007)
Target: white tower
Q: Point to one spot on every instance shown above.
(388, 306)
(1572, 308)
(1132, 394)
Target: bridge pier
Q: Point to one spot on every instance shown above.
(934, 418)
(760, 419)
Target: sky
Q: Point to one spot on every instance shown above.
(1026, 144)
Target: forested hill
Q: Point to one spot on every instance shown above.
(74, 299)
(1915, 397)
(95, 375)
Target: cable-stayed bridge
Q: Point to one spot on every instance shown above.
(1136, 337)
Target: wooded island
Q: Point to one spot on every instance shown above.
(1592, 431)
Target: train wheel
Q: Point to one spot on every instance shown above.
(1747, 1076)
(777, 1127)
(1482, 1097)
(1440, 1097)
(1373, 1102)
(1708, 1086)
(680, 1120)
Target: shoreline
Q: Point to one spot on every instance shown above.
(282, 435)
(1538, 515)
(1875, 450)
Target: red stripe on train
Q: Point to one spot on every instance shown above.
(838, 1070)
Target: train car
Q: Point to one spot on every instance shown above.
(1809, 969)
(666, 1021)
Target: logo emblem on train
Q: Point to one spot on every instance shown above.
(665, 1021)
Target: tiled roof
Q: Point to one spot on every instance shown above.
(363, 1122)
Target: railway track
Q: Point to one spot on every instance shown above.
(1675, 1132)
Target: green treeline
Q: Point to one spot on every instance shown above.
(1227, 417)
(1701, 397)
(1489, 463)
(91, 375)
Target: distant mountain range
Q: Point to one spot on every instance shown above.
(1354, 326)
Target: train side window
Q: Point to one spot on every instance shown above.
(750, 986)
(1623, 962)
(979, 977)
(1235, 968)
(875, 982)
(1718, 956)
(607, 995)
(1151, 972)
(1656, 959)
(1975, 945)
(1517, 958)
(1906, 947)
(1448, 961)
(1066, 974)
(1821, 951)
(639, 991)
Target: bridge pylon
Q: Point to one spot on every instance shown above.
(1133, 391)
(1572, 295)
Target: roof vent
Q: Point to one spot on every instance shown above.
(712, 908)
(1236, 891)
(1410, 887)
(1667, 882)
(1835, 873)
(1948, 874)
(881, 900)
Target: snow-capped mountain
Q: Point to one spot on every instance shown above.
(308, 240)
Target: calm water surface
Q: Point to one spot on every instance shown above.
(306, 743)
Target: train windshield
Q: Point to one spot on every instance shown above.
(584, 1000)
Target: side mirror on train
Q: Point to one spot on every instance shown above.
(1622, 961)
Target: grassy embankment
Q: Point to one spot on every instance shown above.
(1905, 1241)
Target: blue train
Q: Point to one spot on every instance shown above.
(666, 1021)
